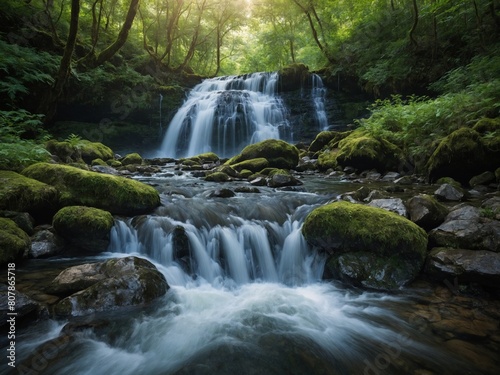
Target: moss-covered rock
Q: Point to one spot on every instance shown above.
(94, 150)
(281, 177)
(327, 160)
(368, 246)
(133, 158)
(278, 153)
(450, 181)
(217, 177)
(114, 163)
(461, 155)
(98, 162)
(86, 228)
(363, 152)
(487, 125)
(118, 195)
(425, 211)
(207, 157)
(14, 242)
(23, 194)
(327, 138)
(65, 151)
(254, 165)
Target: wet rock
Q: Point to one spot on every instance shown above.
(395, 205)
(447, 192)
(405, 180)
(114, 283)
(367, 246)
(246, 189)
(222, 193)
(464, 228)
(425, 211)
(391, 176)
(217, 177)
(105, 169)
(492, 203)
(259, 181)
(76, 278)
(358, 195)
(481, 266)
(373, 175)
(24, 306)
(280, 178)
(86, 228)
(45, 243)
(484, 178)
(375, 194)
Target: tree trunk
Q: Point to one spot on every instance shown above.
(110, 51)
(48, 104)
(415, 23)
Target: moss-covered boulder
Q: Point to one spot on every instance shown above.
(133, 158)
(65, 151)
(425, 211)
(207, 157)
(254, 165)
(362, 151)
(14, 242)
(278, 153)
(217, 177)
(23, 194)
(118, 195)
(461, 155)
(327, 160)
(94, 150)
(327, 138)
(85, 228)
(98, 162)
(280, 178)
(368, 246)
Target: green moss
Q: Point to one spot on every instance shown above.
(208, 157)
(114, 163)
(344, 226)
(94, 150)
(327, 160)
(461, 155)
(293, 76)
(451, 181)
(246, 173)
(253, 165)
(330, 138)
(217, 177)
(278, 153)
(13, 241)
(363, 152)
(115, 194)
(98, 162)
(133, 158)
(65, 151)
(77, 221)
(19, 193)
(487, 125)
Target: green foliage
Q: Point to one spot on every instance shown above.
(23, 70)
(74, 140)
(16, 152)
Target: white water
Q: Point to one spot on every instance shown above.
(225, 114)
(318, 96)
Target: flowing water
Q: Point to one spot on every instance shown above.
(247, 299)
(225, 114)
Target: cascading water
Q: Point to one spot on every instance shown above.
(318, 97)
(225, 114)
(246, 298)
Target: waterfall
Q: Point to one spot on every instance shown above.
(225, 114)
(318, 97)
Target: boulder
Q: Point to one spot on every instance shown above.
(14, 242)
(395, 205)
(24, 305)
(425, 211)
(362, 151)
(94, 150)
(108, 285)
(447, 192)
(133, 158)
(484, 178)
(460, 155)
(116, 194)
(22, 219)
(464, 228)
(217, 177)
(81, 151)
(367, 246)
(481, 266)
(327, 160)
(222, 193)
(86, 228)
(45, 243)
(278, 153)
(23, 194)
(280, 177)
(327, 138)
